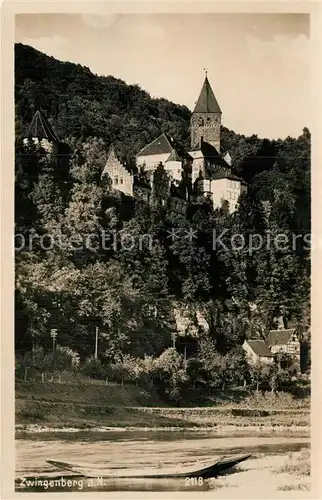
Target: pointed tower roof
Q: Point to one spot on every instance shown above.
(40, 128)
(207, 102)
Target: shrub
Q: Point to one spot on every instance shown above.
(170, 374)
(94, 368)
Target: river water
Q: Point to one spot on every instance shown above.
(138, 450)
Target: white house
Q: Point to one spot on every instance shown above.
(258, 351)
(284, 341)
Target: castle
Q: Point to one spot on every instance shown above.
(207, 170)
(166, 173)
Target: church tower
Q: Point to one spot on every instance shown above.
(206, 118)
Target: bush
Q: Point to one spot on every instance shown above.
(94, 368)
(38, 361)
(170, 374)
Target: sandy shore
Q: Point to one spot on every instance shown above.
(260, 478)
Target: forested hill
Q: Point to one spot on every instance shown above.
(134, 298)
(82, 104)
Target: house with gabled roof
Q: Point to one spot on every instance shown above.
(278, 343)
(120, 177)
(156, 152)
(163, 150)
(284, 341)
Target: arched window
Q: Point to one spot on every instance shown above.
(200, 122)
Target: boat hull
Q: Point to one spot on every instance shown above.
(210, 471)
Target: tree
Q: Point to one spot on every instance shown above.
(170, 374)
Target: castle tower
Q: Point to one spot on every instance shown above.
(41, 132)
(206, 118)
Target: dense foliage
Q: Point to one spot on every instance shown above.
(134, 279)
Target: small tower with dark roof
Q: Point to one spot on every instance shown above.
(206, 118)
(40, 132)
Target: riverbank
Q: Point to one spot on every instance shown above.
(274, 474)
(55, 406)
(274, 465)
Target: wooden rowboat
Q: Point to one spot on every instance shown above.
(87, 470)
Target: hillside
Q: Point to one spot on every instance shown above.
(89, 405)
(82, 104)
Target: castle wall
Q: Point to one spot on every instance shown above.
(226, 189)
(197, 164)
(152, 161)
(174, 168)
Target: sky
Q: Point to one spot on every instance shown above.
(257, 64)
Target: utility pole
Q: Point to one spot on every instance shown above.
(96, 342)
(173, 335)
(33, 351)
(53, 334)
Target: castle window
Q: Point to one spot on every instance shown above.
(121, 180)
(116, 180)
(200, 122)
(208, 119)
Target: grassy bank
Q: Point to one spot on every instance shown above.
(85, 405)
(297, 471)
